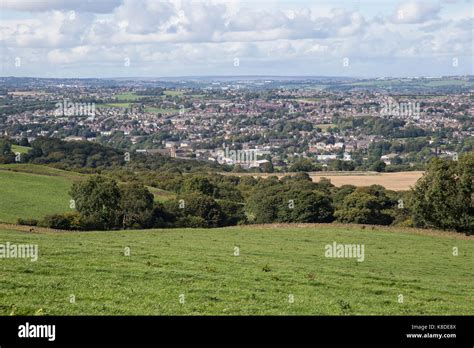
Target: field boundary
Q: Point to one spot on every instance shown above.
(394, 229)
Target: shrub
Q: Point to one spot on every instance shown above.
(57, 221)
(197, 205)
(234, 213)
(68, 221)
(27, 222)
(191, 221)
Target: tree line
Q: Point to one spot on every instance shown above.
(123, 199)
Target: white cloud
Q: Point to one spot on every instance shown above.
(99, 6)
(416, 12)
(162, 37)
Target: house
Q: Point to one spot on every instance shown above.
(387, 159)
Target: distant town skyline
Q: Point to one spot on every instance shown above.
(156, 38)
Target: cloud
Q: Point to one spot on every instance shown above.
(99, 6)
(415, 12)
(164, 37)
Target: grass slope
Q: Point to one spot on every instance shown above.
(41, 170)
(25, 195)
(274, 262)
(29, 195)
(20, 149)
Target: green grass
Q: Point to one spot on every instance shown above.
(128, 96)
(161, 195)
(174, 93)
(33, 191)
(30, 195)
(274, 262)
(325, 126)
(161, 110)
(20, 149)
(114, 105)
(41, 170)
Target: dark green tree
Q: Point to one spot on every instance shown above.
(362, 208)
(137, 206)
(443, 197)
(198, 184)
(98, 199)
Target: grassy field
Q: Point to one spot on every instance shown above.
(30, 195)
(128, 96)
(275, 264)
(114, 105)
(161, 111)
(174, 93)
(40, 170)
(161, 195)
(33, 191)
(20, 149)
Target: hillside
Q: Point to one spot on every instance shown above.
(274, 262)
(30, 195)
(33, 191)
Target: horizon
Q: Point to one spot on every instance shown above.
(241, 77)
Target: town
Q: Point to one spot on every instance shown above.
(263, 125)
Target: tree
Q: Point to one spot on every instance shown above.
(198, 205)
(234, 213)
(443, 197)
(378, 166)
(199, 184)
(6, 155)
(263, 204)
(267, 167)
(302, 165)
(305, 207)
(341, 193)
(362, 208)
(24, 142)
(98, 199)
(137, 206)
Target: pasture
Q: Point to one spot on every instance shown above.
(253, 270)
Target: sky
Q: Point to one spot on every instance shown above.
(163, 38)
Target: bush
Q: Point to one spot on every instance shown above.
(27, 222)
(56, 221)
(234, 213)
(198, 205)
(192, 222)
(69, 221)
(362, 208)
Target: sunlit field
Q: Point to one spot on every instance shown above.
(254, 270)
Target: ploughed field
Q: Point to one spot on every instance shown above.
(276, 270)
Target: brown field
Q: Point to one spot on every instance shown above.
(400, 181)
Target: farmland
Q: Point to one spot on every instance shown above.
(28, 195)
(400, 181)
(32, 191)
(201, 268)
